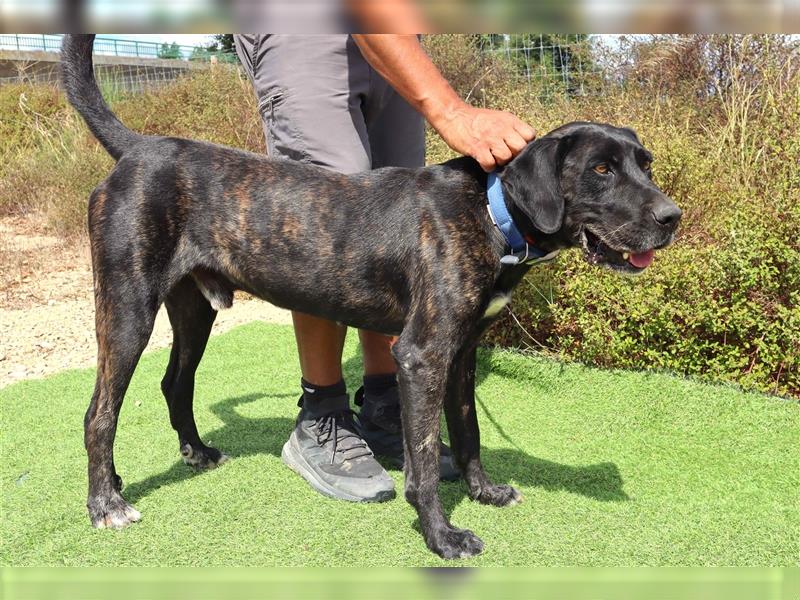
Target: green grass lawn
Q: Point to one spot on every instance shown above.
(617, 468)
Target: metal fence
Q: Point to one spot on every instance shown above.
(150, 65)
(549, 65)
(30, 43)
(112, 80)
(114, 47)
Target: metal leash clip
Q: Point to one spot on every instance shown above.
(516, 257)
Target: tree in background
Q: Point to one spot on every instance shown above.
(172, 50)
(222, 47)
(223, 42)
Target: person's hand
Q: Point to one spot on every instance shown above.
(492, 137)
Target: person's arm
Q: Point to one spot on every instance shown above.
(491, 137)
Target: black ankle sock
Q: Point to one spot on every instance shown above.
(313, 392)
(378, 384)
(319, 400)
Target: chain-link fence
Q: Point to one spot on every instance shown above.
(111, 78)
(543, 65)
(566, 64)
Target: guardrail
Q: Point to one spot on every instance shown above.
(115, 47)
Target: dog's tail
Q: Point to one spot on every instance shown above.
(77, 76)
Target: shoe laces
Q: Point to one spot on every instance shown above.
(339, 427)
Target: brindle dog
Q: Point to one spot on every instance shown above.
(406, 252)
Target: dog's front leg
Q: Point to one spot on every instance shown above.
(465, 440)
(422, 374)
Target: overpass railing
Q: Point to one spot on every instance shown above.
(114, 47)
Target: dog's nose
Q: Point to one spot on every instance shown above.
(666, 213)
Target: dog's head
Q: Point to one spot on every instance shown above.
(590, 185)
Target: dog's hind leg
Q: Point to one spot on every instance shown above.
(191, 317)
(462, 424)
(422, 373)
(125, 314)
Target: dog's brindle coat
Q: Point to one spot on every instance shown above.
(408, 252)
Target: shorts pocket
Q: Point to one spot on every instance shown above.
(283, 138)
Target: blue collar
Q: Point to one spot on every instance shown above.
(521, 251)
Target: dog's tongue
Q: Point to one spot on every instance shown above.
(642, 260)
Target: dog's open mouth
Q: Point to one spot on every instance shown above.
(598, 252)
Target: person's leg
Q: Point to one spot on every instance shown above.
(303, 84)
(376, 349)
(319, 344)
(305, 87)
(396, 139)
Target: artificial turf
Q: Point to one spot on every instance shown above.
(617, 468)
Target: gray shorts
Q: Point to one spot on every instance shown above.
(321, 102)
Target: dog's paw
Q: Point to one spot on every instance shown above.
(456, 543)
(111, 512)
(499, 495)
(202, 457)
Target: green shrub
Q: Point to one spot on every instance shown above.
(217, 105)
(50, 163)
(729, 311)
(468, 70)
(724, 301)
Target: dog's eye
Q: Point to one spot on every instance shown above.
(647, 165)
(602, 168)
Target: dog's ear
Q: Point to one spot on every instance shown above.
(631, 134)
(531, 182)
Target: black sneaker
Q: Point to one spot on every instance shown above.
(379, 425)
(326, 450)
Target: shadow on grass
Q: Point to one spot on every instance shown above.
(601, 481)
(242, 436)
